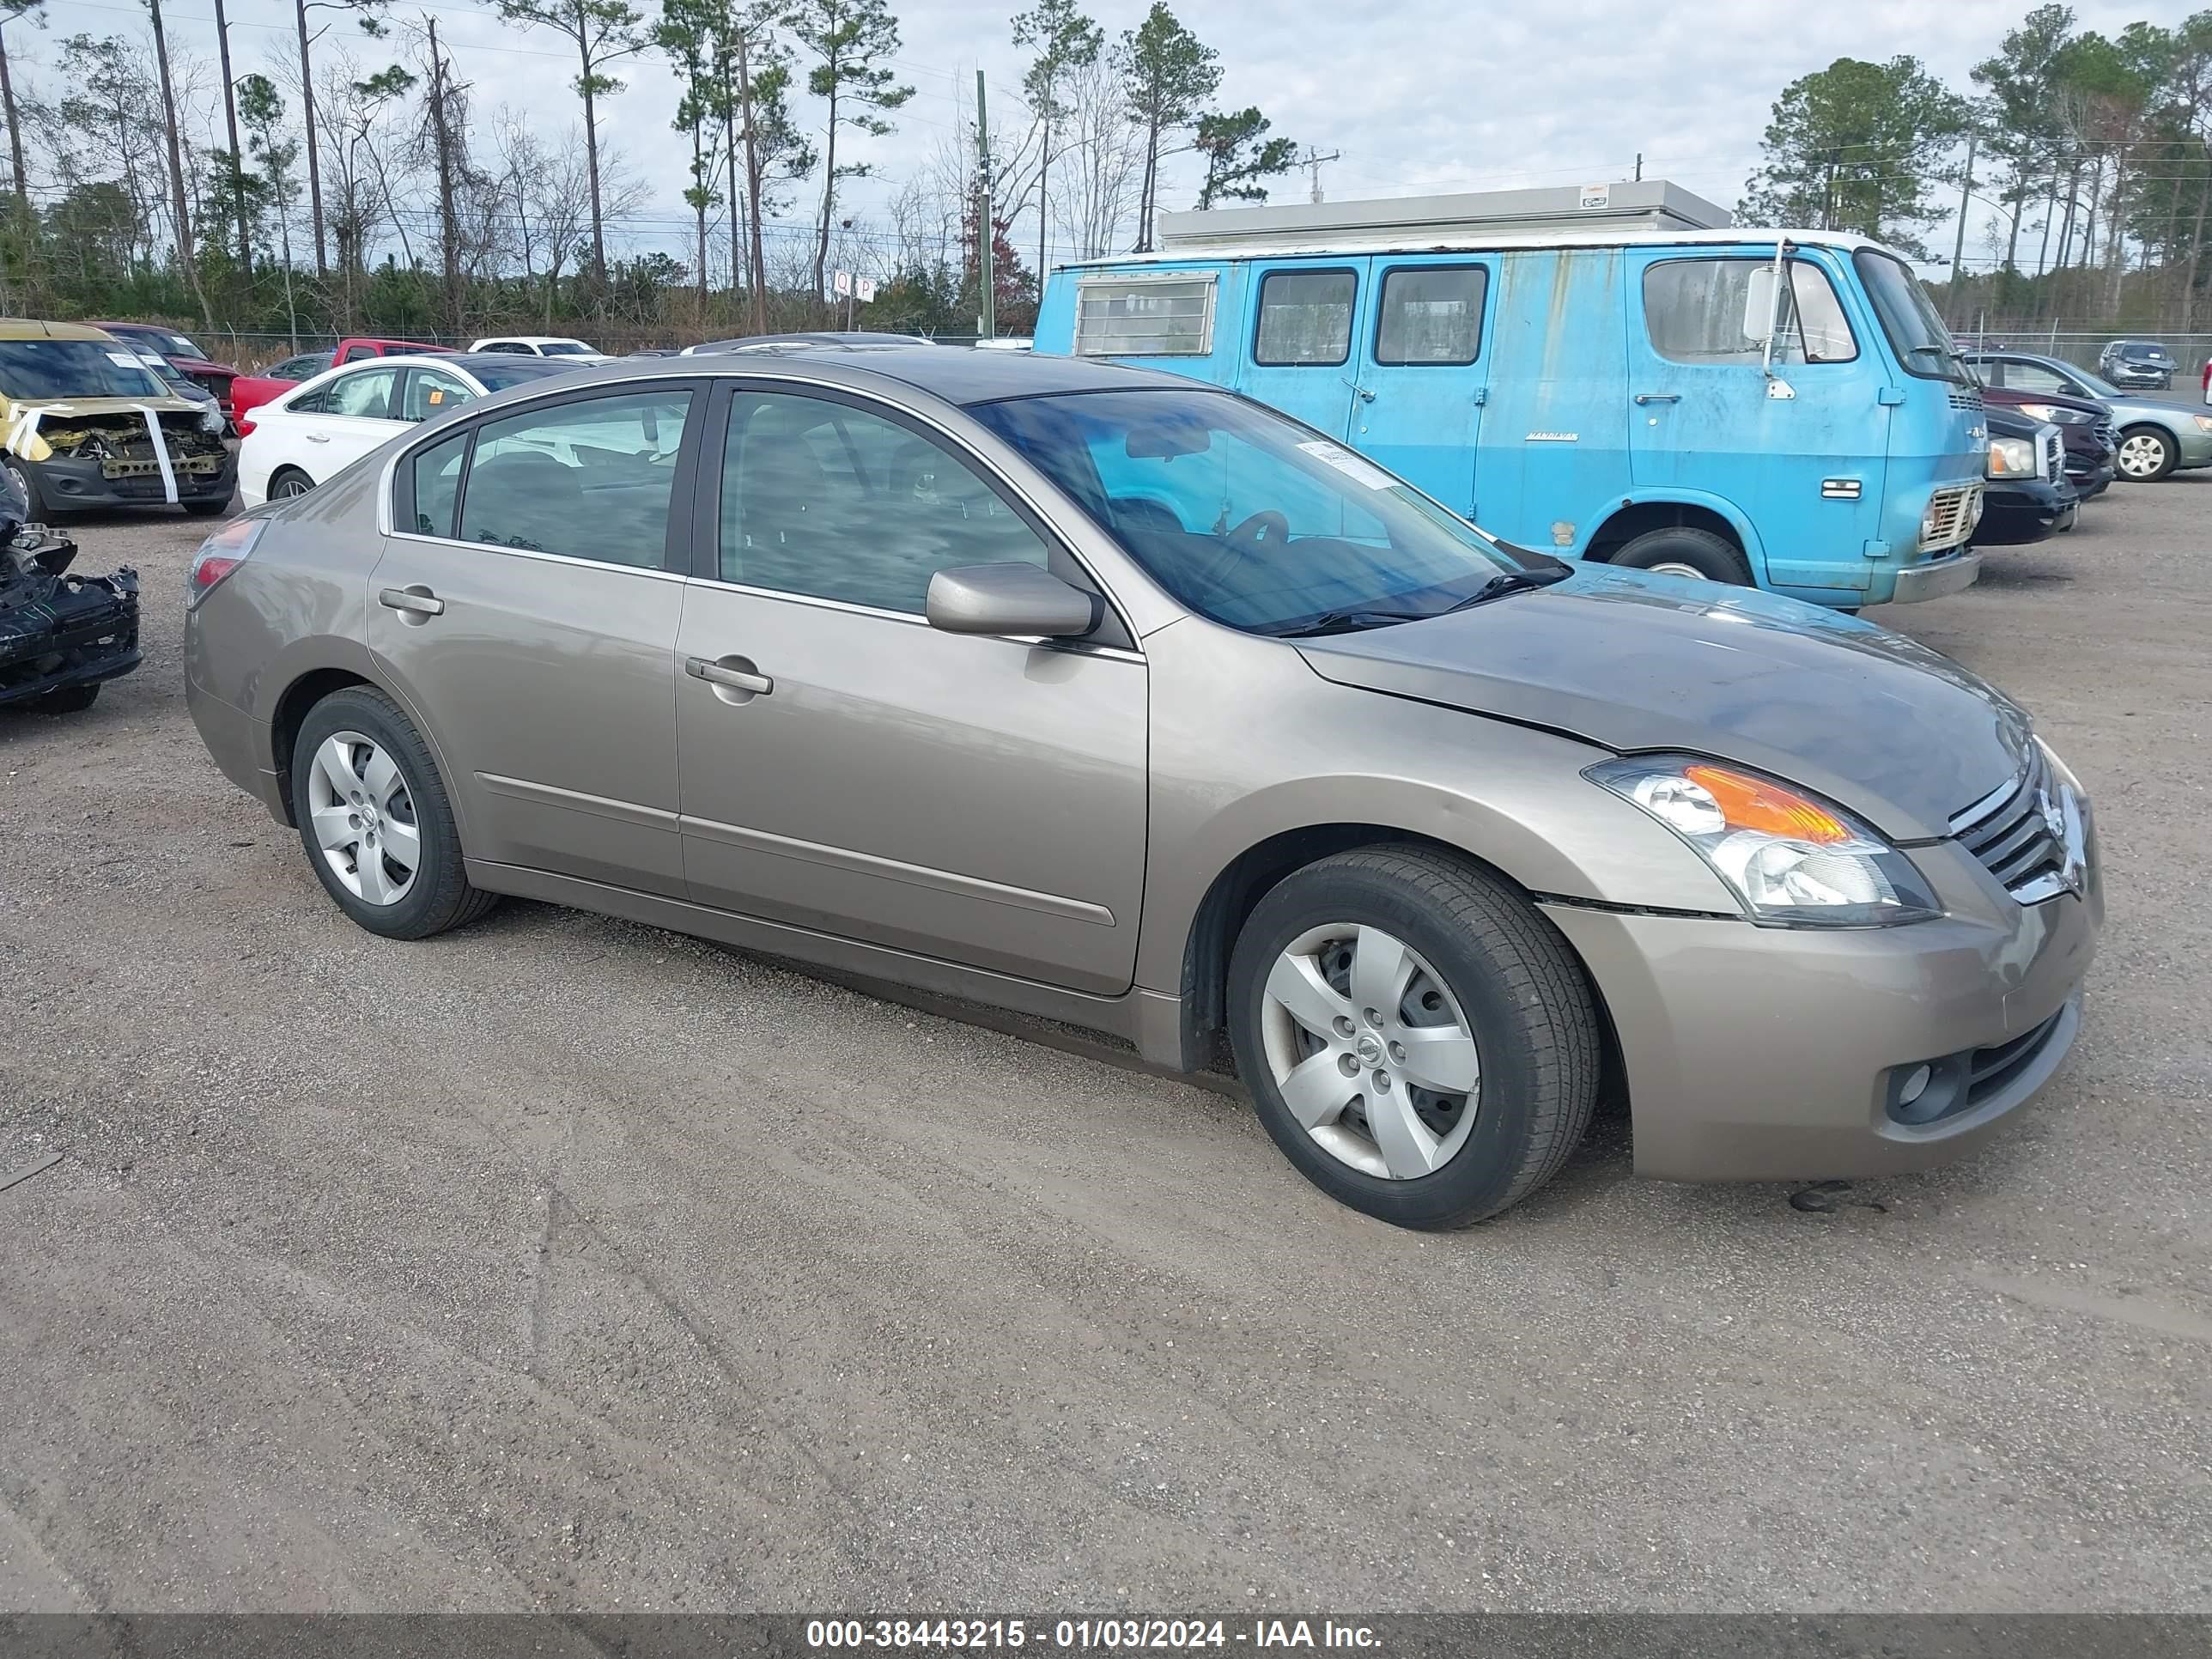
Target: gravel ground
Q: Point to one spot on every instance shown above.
(565, 1263)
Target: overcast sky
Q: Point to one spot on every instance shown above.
(1419, 95)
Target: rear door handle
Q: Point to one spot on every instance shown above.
(416, 601)
(722, 673)
(1658, 396)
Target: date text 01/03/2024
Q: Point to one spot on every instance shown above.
(1105, 1635)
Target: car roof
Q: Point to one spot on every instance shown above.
(956, 375)
(31, 328)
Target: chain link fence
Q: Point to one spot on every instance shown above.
(2084, 348)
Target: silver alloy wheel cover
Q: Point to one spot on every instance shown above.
(1676, 567)
(362, 815)
(292, 485)
(1360, 1056)
(2142, 453)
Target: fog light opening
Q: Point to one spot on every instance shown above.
(1915, 1084)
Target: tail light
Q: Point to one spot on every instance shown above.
(243, 423)
(219, 554)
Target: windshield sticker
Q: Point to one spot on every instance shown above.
(125, 359)
(1351, 465)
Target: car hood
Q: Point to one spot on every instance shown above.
(53, 411)
(1878, 723)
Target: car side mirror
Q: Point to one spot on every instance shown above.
(1008, 599)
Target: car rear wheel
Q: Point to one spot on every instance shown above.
(375, 820)
(2147, 454)
(1684, 550)
(1418, 1041)
(287, 482)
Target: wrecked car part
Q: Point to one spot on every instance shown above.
(61, 634)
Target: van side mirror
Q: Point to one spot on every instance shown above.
(1759, 307)
(1008, 599)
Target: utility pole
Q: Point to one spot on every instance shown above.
(1639, 167)
(1959, 242)
(237, 156)
(1312, 162)
(988, 323)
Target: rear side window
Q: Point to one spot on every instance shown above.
(588, 480)
(437, 484)
(1718, 311)
(1144, 316)
(366, 394)
(1305, 318)
(1432, 314)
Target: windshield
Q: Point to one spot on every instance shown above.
(74, 368)
(567, 349)
(1910, 320)
(1247, 518)
(499, 372)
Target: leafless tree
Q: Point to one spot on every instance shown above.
(1095, 186)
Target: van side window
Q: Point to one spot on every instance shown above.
(1431, 315)
(1305, 319)
(1717, 311)
(1144, 316)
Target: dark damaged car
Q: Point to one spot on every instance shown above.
(63, 636)
(84, 423)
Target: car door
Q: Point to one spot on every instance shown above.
(848, 769)
(1297, 345)
(1804, 455)
(1418, 405)
(526, 605)
(353, 415)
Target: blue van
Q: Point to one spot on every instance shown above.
(1778, 408)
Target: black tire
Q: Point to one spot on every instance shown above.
(69, 700)
(1519, 985)
(2168, 454)
(33, 498)
(283, 476)
(208, 509)
(1714, 558)
(440, 898)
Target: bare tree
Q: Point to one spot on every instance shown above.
(13, 11)
(180, 220)
(1103, 161)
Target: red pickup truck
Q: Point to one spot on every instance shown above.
(249, 392)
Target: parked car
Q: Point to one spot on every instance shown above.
(1120, 699)
(352, 348)
(2086, 428)
(2155, 438)
(62, 634)
(2142, 364)
(249, 392)
(2029, 497)
(178, 383)
(543, 346)
(1648, 398)
(87, 424)
(818, 337)
(296, 441)
(180, 351)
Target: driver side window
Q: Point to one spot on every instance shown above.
(2034, 376)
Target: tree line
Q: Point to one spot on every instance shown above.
(356, 180)
(2085, 159)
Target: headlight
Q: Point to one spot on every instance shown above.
(212, 419)
(1790, 860)
(2203, 423)
(2053, 412)
(2012, 458)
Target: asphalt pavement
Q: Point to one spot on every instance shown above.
(565, 1263)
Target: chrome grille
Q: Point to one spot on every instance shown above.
(2054, 454)
(2012, 832)
(1965, 397)
(1950, 517)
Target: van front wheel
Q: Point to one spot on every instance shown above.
(1680, 550)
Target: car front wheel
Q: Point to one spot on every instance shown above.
(1418, 1041)
(375, 821)
(2147, 454)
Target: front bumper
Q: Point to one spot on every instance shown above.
(72, 483)
(2017, 512)
(1948, 574)
(2090, 479)
(85, 631)
(2193, 445)
(1760, 1054)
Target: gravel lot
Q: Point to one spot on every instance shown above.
(565, 1263)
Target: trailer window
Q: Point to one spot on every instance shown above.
(1144, 316)
(1430, 314)
(1305, 319)
(1715, 311)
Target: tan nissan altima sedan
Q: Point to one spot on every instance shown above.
(1110, 697)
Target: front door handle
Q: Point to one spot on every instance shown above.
(413, 602)
(737, 674)
(1658, 396)
(318, 437)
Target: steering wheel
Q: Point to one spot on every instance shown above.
(1263, 530)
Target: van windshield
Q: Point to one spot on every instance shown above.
(1909, 319)
(74, 368)
(1254, 520)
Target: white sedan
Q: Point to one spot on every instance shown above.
(324, 425)
(542, 345)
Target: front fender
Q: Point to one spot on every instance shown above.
(1754, 548)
